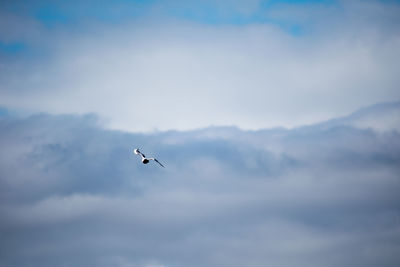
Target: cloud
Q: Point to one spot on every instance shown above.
(74, 194)
(174, 73)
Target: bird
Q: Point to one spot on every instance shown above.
(144, 159)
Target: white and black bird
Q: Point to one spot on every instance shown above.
(144, 159)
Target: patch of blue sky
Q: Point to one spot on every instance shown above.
(52, 14)
(211, 16)
(3, 112)
(104, 11)
(272, 2)
(12, 48)
(209, 13)
(72, 13)
(201, 11)
(55, 12)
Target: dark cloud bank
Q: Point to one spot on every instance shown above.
(73, 194)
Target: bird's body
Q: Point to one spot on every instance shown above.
(144, 159)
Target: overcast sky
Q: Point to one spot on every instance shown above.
(278, 123)
(158, 65)
(74, 194)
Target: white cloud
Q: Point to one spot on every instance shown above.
(178, 75)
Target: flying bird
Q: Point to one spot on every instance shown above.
(144, 159)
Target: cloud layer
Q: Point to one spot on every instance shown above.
(74, 194)
(183, 70)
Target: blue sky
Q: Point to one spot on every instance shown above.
(232, 12)
(278, 123)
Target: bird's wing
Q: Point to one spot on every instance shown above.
(139, 153)
(157, 161)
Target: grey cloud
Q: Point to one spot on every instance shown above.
(74, 194)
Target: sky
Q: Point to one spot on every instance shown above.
(73, 194)
(163, 65)
(277, 121)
